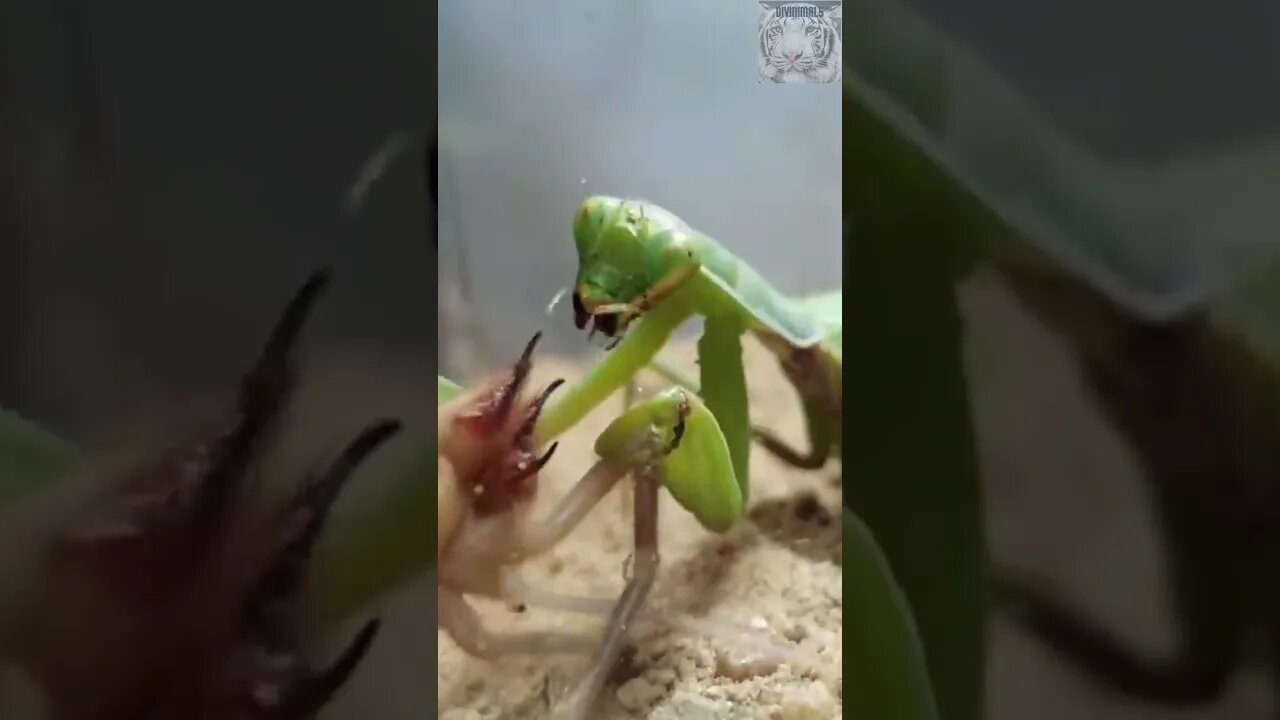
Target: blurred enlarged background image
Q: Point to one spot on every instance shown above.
(1121, 349)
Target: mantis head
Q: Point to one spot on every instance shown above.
(624, 257)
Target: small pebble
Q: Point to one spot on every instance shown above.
(740, 663)
(687, 706)
(811, 701)
(639, 693)
(661, 676)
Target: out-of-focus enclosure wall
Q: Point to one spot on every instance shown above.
(1137, 80)
(170, 174)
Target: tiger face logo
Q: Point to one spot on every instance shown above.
(800, 42)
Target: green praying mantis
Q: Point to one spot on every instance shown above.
(642, 272)
(821, 401)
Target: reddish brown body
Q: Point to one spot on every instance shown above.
(162, 589)
(488, 462)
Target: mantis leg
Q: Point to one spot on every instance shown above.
(635, 351)
(819, 430)
(1209, 612)
(724, 390)
(462, 623)
(673, 375)
(644, 570)
(1187, 679)
(464, 626)
(816, 420)
(628, 399)
(1191, 457)
(539, 536)
(518, 591)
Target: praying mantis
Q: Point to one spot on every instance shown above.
(642, 271)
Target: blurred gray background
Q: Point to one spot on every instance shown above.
(1138, 79)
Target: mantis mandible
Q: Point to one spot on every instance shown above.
(640, 264)
(487, 478)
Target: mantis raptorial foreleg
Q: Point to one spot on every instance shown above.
(724, 389)
(818, 425)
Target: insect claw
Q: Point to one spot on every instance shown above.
(526, 357)
(546, 457)
(321, 689)
(316, 498)
(263, 391)
(270, 611)
(489, 413)
(306, 515)
(274, 359)
(529, 469)
(535, 408)
(519, 374)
